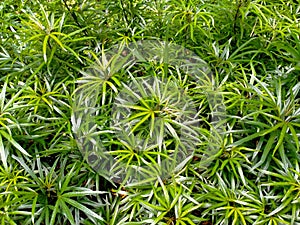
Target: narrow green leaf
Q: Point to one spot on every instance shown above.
(281, 137)
(13, 142)
(54, 213)
(57, 41)
(3, 154)
(66, 211)
(284, 205)
(82, 208)
(45, 43)
(139, 123)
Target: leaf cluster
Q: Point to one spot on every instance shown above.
(251, 47)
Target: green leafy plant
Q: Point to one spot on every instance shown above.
(238, 127)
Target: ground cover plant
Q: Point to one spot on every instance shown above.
(252, 49)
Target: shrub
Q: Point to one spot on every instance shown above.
(252, 50)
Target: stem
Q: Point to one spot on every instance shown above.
(77, 22)
(237, 14)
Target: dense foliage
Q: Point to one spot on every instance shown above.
(253, 51)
